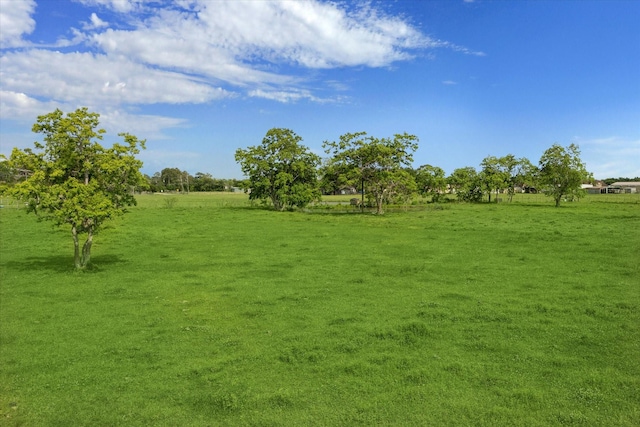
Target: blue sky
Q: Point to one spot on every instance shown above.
(199, 79)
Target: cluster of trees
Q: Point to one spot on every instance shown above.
(287, 174)
(173, 179)
(72, 180)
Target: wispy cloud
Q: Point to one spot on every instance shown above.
(94, 23)
(123, 6)
(611, 157)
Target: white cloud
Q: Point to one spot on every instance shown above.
(312, 34)
(123, 6)
(21, 107)
(194, 51)
(449, 82)
(237, 42)
(95, 23)
(142, 125)
(15, 21)
(179, 52)
(611, 157)
(286, 96)
(99, 80)
(24, 109)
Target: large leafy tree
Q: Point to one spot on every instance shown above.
(466, 183)
(561, 172)
(280, 170)
(517, 172)
(505, 173)
(376, 164)
(492, 176)
(73, 180)
(333, 178)
(431, 181)
(206, 182)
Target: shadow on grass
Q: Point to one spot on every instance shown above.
(64, 264)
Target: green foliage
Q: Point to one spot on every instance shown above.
(609, 181)
(467, 184)
(504, 174)
(492, 176)
(280, 170)
(206, 182)
(517, 172)
(376, 163)
(431, 181)
(334, 177)
(561, 172)
(73, 180)
(205, 315)
(173, 179)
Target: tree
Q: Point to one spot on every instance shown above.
(561, 172)
(172, 179)
(375, 164)
(492, 176)
(73, 180)
(505, 173)
(516, 172)
(431, 181)
(466, 183)
(280, 170)
(206, 182)
(333, 178)
(7, 174)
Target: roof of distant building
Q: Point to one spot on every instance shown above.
(626, 184)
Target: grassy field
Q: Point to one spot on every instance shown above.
(202, 311)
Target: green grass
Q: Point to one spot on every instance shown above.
(204, 311)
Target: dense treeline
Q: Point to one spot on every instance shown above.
(173, 179)
(285, 174)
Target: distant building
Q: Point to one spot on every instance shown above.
(629, 187)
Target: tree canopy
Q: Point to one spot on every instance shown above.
(561, 172)
(376, 164)
(280, 170)
(431, 181)
(73, 180)
(466, 183)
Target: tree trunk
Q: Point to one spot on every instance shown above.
(76, 247)
(558, 200)
(379, 200)
(81, 258)
(86, 248)
(277, 204)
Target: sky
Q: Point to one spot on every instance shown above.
(199, 79)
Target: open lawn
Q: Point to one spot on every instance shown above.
(200, 310)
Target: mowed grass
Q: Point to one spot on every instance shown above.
(205, 311)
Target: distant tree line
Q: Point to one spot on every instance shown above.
(609, 181)
(173, 179)
(286, 174)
